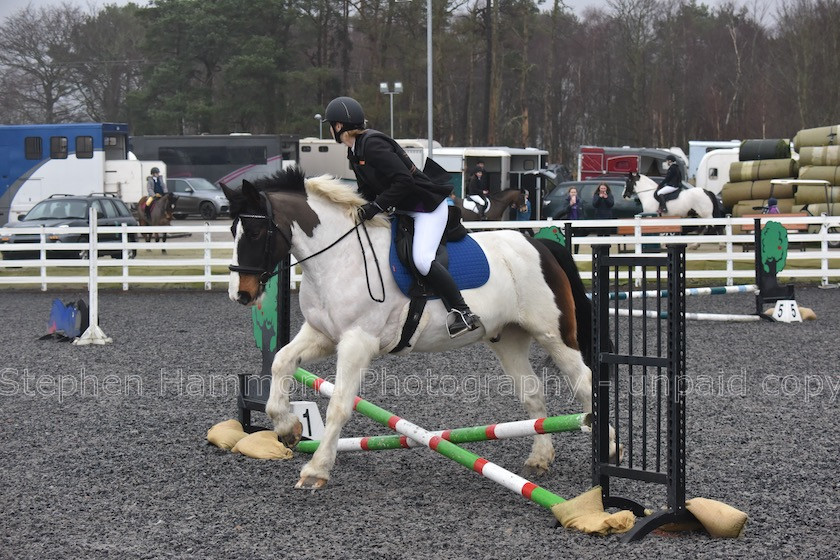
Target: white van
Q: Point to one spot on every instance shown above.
(713, 170)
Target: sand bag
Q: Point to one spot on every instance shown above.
(226, 434)
(586, 513)
(262, 445)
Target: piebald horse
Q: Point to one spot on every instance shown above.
(533, 293)
(500, 203)
(163, 209)
(694, 202)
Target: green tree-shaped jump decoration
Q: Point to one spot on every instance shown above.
(774, 247)
(553, 233)
(264, 316)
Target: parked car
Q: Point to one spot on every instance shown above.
(198, 196)
(555, 204)
(69, 211)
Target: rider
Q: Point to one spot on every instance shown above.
(390, 186)
(478, 192)
(155, 188)
(670, 183)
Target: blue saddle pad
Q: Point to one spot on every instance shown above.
(467, 263)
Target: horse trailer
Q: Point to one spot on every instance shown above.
(41, 160)
(219, 158)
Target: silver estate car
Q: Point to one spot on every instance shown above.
(198, 196)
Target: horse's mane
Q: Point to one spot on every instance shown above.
(293, 180)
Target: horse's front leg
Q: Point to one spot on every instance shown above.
(355, 351)
(163, 250)
(308, 345)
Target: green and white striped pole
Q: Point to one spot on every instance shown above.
(504, 430)
(482, 466)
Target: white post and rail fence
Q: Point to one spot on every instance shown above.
(198, 255)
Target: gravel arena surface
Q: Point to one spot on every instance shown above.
(104, 450)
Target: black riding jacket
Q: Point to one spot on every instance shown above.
(673, 177)
(387, 176)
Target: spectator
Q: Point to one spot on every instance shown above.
(603, 202)
(523, 212)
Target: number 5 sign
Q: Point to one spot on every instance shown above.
(786, 311)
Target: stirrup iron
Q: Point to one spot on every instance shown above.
(461, 323)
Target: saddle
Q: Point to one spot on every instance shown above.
(148, 202)
(478, 204)
(673, 195)
(458, 251)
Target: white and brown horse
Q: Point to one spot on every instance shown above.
(500, 203)
(533, 293)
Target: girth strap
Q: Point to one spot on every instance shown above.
(415, 312)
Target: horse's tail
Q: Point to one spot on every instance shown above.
(583, 306)
(717, 207)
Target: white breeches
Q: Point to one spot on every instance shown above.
(428, 232)
(667, 189)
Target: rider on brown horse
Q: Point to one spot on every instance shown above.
(155, 188)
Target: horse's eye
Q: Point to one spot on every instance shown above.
(253, 233)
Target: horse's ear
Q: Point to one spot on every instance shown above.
(229, 192)
(250, 192)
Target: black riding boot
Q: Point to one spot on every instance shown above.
(460, 319)
(662, 207)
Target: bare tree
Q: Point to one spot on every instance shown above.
(35, 51)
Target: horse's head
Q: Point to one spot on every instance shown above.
(263, 214)
(630, 185)
(258, 244)
(169, 201)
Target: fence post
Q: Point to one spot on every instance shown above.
(730, 270)
(208, 285)
(43, 254)
(125, 255)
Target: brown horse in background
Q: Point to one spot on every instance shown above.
(163, 209)
(500, 203)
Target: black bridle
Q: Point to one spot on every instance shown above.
(269, 268)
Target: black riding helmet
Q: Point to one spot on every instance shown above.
(348, 112)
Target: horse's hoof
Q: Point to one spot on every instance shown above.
(533, 471)
(292, 438)
(310, 483)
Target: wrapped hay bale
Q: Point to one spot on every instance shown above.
(817, 194)
(732, 193)
(821, 172)
(819, 155)
(815, 209)
(762, 189)
(785, 205)
(762, 169)
(820, 136)
(745, 207)
(756, 206)
(764, 149)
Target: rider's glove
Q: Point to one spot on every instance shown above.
(368, 211)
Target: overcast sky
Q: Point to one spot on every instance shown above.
(8, 7)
